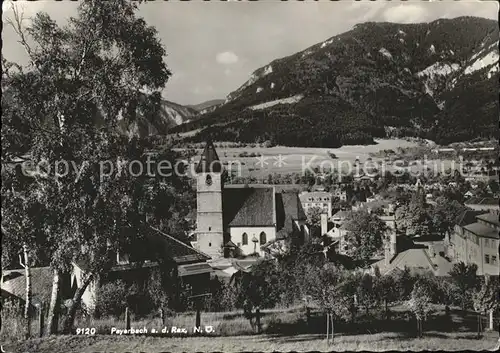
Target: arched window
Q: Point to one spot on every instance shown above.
(244, 239)
(263, 239)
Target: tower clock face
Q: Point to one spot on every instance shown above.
(208, 180)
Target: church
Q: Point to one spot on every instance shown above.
(241, 220)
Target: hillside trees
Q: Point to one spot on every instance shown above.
(485, 299)
(365, 235)
(465, 278)
(65, 109)
(419, 304)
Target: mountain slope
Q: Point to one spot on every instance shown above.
(379, 79)
(207, 106)
(169, 115)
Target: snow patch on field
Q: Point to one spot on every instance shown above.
(268, 70)
(272, 85)
(385, 53)
(289, 100)
(432, 49)
(324, 44)
(402, 40)
(306, 53)
(259, 89)
(489, 59)
(493, 69)
(428, 90)
(401, 32)
(438, 69)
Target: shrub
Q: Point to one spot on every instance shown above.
(112, 298)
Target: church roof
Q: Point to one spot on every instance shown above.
(209, 161)
(293, 206)
(247, 206)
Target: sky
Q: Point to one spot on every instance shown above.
(213, 47)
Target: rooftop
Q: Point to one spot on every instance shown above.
(481, 230)
(209, 161)
(490, 218)
(488, 201)
(246, 206)
(468, 217)
(417, 259)
(14, 283)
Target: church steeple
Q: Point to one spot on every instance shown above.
(209, 161)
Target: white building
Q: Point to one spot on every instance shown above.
(317, 199)
(241, 219)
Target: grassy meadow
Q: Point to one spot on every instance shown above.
(295, 159)
(282, 330)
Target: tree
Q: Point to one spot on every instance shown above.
(366, 292)
(464, 276)
(414, 218)
(484, 300)
(447, 294)
(385, 289)
(419, 304)
(446, 213)
(22, 230)
(314, 219)
(85, 83)
(365, 234)
(258, 289)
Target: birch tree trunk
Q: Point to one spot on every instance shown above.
(53, 315)
(70, 318)
(27, 271)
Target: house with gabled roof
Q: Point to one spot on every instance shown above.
(241, 218)
(164, 252)
(13, 286)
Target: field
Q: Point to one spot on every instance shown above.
(284, 160)
(262, 343)
(283, 330)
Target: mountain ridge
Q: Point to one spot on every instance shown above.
(377, 79)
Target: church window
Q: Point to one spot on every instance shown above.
(209, 244)
(263, 239)
(244, 239)
(209, 229)
(208, 180)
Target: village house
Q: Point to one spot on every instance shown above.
(317, 199)
(475, 240)
(340, 194)
(165, 253)
(239, 220)
(401, 252)
(486, 204)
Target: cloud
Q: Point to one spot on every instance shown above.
(405, 14)
(227, 58)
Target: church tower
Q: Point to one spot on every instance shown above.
(209, 226)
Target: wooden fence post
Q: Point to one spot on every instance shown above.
(127, 319)
(198, 316)
(40, 319)
(162, 316)
(327, 326)
(257, 319)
